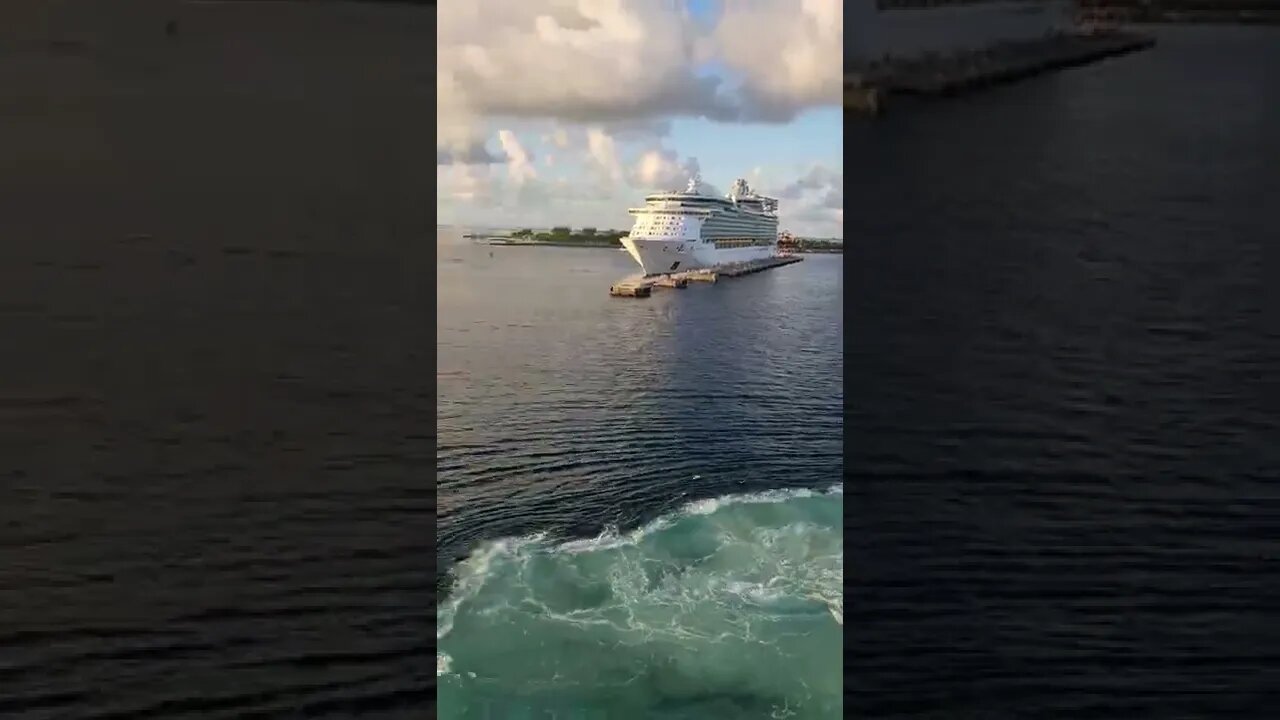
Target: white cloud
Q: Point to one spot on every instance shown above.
(801, 64)
(464, 183)
(602, 149)
(459, 137)
(661, 169)
(519, 165)
(579, 60)
(814, 202)
(818, 180)
(621, 63)
(645, 130)
(592, 87)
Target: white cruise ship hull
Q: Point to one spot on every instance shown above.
(658, 256)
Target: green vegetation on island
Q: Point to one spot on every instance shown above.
(805, 245)
(586, 237)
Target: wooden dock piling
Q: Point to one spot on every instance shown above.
(630, 289)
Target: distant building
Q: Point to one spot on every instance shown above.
(904, 28)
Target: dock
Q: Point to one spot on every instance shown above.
(640, 285)
(937, 74)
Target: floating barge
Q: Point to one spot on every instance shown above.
(643, 285)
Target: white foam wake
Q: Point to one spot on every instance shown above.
(471, 574)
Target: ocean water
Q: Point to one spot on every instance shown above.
(640, 499)
(1062, 461)
(215, 361)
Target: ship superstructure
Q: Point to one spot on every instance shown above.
(690, 230)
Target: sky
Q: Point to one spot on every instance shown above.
(568, 112)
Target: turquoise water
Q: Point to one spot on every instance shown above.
(728, 608)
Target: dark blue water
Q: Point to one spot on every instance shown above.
(215, 361)
(563, 410)
(647, 489)
(1063, 469)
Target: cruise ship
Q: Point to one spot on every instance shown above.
(689, 230)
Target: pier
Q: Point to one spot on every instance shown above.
(642, 285)
(937, 74)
